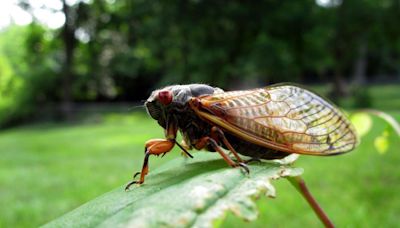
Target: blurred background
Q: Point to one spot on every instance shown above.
(73, 75)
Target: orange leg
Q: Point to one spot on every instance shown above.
(153, 147)
(203, 142)
(219, 134)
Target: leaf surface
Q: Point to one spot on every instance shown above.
(182, 193)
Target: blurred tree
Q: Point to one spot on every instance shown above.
(28, 81)
(69, 43)
(9, 85)
(360, 28)
(72, 14)
(121, 50)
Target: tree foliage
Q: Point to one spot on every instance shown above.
(121, 50)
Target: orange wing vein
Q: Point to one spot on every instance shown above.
(286, 118)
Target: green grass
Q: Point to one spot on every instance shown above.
(383, 97)
(47, 170)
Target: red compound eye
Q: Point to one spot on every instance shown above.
(165, 97)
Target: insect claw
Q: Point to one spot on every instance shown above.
(128, 185)
(253, 160)
(245, 167)
(136, 175)
(132, 183)
(163, 154)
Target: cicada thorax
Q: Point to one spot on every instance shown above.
(192, 127)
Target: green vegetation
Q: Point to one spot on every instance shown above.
(122, 50)
(48, 169)
(382, 97)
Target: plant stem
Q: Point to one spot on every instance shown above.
(300, 185)
(386, 117)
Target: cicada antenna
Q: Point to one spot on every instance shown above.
(141, 105)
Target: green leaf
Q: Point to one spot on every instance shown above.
(182, 193)
(381, 143)
(362, 122)
(361, 118)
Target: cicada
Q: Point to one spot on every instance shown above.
(264, 123)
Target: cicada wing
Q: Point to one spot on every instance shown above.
(286, 118)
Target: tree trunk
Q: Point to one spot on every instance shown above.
(360, 65)
(68, 37)
(340, 87)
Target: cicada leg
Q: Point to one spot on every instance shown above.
(219, 134)
(153, 147)
(203, 142)
(184, 147)
(252, 160)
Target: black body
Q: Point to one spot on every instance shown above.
(193, 127)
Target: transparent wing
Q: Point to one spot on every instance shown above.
(286, 118)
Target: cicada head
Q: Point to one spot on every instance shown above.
(172, 100)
